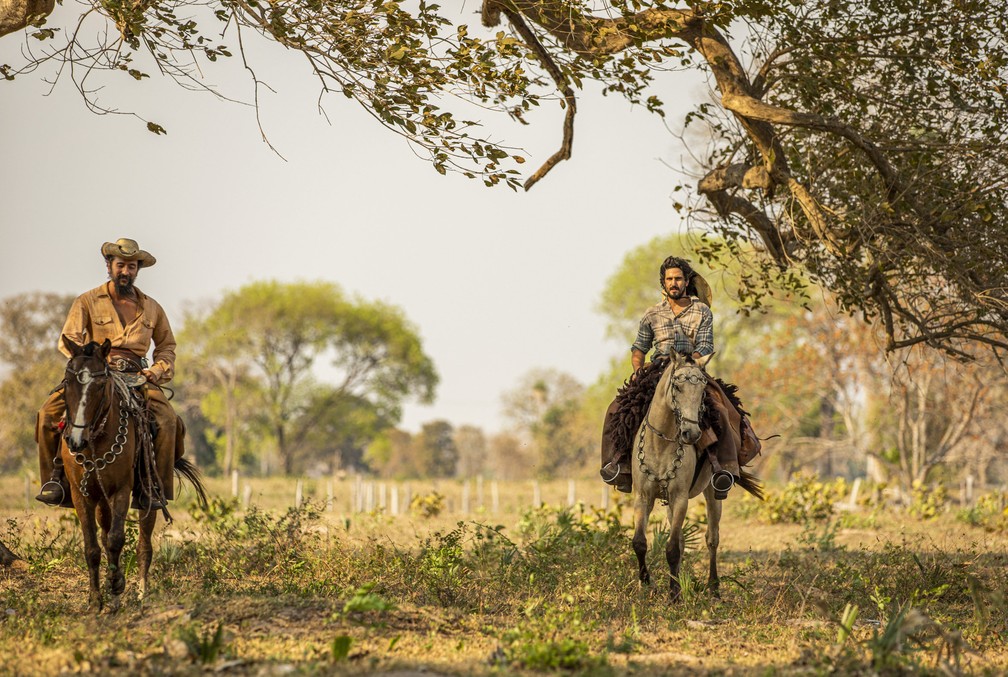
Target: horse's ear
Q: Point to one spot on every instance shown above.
(106, 348)
(703, 360)
(72, 347)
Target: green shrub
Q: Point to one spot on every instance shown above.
(805, 498)
(927, 501)
(550, 638)
(989, 512)
(427, 505)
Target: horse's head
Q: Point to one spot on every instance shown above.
(86, 390)
(686, 392)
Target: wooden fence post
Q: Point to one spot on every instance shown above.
(298, 494)
(494, 497)
(571, 493)
(234, 483)
(536, 494)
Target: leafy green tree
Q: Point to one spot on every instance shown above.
(30, 326)
(546, 409)
(434, 451)
(390, 454)
(855, 144)
(274, 335)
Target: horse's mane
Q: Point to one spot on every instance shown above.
(634, 397)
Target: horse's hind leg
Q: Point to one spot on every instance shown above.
(713, 539)
(116, 519)
(145, 550)
(674, 547)
(92, 551)
(642, 510)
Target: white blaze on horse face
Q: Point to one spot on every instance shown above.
(76, 435)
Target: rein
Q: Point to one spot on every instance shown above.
(98, 463)
(84, 377)
(663, 482)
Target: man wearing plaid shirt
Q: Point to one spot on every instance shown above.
(683, 323)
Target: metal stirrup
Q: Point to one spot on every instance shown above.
(615, 474)
(58, 484)
(719, 477)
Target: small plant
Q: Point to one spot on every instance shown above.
(364, 601)
(548, 640)
(340, 647)
(821, 538)
(427, 505)
(204, 647)
(927, 501)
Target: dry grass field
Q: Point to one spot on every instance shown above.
(271, 589)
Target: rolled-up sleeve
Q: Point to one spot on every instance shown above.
(76, 326)
(645, 337)
(163, 367)
(704, 344)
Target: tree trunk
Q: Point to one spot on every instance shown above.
(16, 14)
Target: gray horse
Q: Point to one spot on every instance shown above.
(664, 465)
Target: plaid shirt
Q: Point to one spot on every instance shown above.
(691, 331)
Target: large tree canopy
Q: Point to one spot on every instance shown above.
(861, 144)
(260, 346)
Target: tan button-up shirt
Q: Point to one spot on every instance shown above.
(92, 317)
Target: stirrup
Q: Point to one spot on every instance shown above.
(145, 503)
(722, 481)
(62, 496)
(616, 473)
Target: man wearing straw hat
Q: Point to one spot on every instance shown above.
(131, 320)
(681, 322)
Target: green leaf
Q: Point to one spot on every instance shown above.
(341, 647)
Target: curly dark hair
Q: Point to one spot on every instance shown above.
(675, 262)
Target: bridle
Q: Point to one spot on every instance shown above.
(99, 462)
(675, 381)
(85, 376)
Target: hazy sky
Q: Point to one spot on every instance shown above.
(497, 282)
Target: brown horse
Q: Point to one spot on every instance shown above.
(105, 440)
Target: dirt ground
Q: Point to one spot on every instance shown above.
(356, 593)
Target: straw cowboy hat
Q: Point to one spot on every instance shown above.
(703, 290)
(128, 250)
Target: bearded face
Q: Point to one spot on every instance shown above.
(123, 274)
(675, 283)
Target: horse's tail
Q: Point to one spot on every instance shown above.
(185, 468)
(751, 483)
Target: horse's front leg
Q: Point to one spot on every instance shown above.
(713, 539)
(674, 547)
(114, 518)
(92, 549)
(145, 549)
(642, 510)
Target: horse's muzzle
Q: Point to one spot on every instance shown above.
(690, 435)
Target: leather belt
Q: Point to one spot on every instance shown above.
(124, 364)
